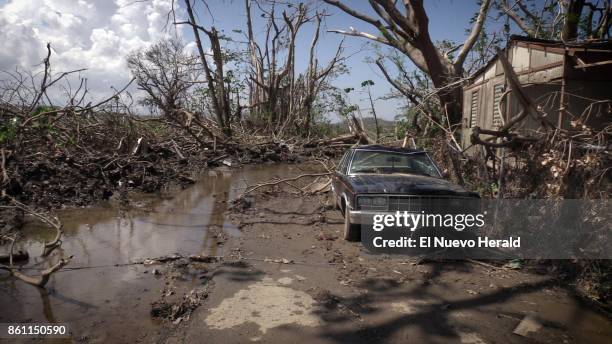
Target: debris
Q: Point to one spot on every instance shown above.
(285, 281)
(279, 261)
(346, 282)
(160, 309)
(470, 338)
(164, 259)
(320, 186)
(515, 264)
(324, 236)
(204, 259)
(181, 309)
(527, 325)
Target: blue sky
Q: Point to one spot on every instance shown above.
(99, 34)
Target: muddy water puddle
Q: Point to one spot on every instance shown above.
(108, 292)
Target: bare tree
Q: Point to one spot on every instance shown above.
(165, 73)
(405, 28)
(276, 90)
(217, 90)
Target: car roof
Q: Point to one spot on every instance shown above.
(381, 148)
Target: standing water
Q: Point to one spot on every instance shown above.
(108, 295)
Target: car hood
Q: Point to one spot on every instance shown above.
(406, 184)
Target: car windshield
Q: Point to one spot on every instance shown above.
(391, 162)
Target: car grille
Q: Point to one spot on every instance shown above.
(427, 204)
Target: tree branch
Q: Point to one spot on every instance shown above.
(354, 13)
(516, 18)
(356, 33)
(471, 40)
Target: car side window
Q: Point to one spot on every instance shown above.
(346, 162)
(343, 163)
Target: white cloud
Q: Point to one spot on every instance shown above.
(92, 34)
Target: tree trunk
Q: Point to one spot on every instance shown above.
(407, 30)
(374, 114)
(218, 100)
(572, 19)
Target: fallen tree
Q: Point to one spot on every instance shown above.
(42, 279)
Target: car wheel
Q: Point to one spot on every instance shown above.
(352, 232)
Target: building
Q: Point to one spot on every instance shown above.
(571, 83)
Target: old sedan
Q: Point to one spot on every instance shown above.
(375, 179)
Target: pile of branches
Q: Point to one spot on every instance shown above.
(79, 152)
(71, 158)
(550, 162)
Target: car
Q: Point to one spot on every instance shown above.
(375, 179)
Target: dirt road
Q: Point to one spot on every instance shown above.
(284, 276)
(332, 291)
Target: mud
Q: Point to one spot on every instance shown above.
(282, 275)
(363, 298)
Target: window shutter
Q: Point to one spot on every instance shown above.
(474, 109)
(497, 94)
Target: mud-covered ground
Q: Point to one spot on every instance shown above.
(332, 291)
(277, 272)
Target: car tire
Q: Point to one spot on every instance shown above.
(352, 232)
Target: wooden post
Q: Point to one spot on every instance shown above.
(500, 180)
(562, 96)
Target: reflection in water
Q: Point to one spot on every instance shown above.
(47, 310)
(101, 238)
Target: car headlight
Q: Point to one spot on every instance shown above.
(379, 201)
(361, 201)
